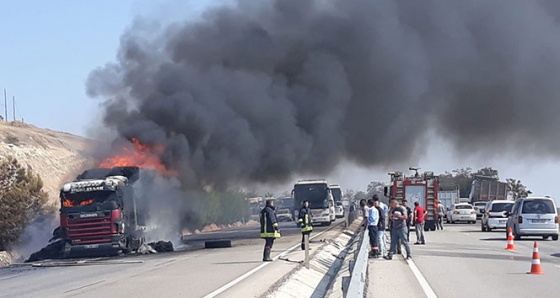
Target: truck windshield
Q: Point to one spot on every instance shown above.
(337, 194)
(316, 194)
(85, 198)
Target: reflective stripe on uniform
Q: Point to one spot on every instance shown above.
(307, 226)
(270, 235)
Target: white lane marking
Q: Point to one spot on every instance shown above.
(252, 271)
(421, 279)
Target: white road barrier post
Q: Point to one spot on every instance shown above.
(306, 237)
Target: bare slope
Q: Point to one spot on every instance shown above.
(56, 156)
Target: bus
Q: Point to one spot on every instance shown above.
(337, 196)
(320, 198)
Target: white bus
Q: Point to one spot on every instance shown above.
(320, 199)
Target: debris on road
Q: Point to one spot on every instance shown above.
(162, 246)
(55, 250)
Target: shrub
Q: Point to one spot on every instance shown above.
(21, 200)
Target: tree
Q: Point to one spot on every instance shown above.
(21, 200)
(360, 195)
(517, 189)
(375, 187)
(349, 193)
(488, 172)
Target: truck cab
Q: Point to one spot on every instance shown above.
(98, 213)
(421, 188)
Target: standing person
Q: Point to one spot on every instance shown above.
(269, 228)
(419, 214)
(365, 213)
(383, 207)
(409, 218)
(381, 238)
(441, 212)
(398, 218)
(372, 222)
(304, 218)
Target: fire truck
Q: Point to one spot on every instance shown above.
(98, 214)
(422, 188)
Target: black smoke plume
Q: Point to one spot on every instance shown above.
(260, 90)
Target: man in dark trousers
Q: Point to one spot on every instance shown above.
(398, 216)
(269, 228)
(304, 218)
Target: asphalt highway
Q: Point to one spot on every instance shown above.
(190, 273)
(461, 261)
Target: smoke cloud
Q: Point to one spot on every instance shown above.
(261, 90)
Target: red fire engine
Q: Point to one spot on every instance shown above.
(422, 188)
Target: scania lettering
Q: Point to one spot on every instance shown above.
(320, 199)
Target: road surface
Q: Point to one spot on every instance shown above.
(193, 273)
(462, 261)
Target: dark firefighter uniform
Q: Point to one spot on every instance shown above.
(269, 229)
(304, 218)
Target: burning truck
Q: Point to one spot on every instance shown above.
(99, 213)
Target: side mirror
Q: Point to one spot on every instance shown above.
(507, 213)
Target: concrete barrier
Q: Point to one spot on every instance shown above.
(323, 268)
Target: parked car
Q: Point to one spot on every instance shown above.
(461, 212)
(284, 214)
(480, 208)
(533, 216)
(339, 210)
(495, 215)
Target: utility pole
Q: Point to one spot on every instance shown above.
(5, 105)
(14, 106)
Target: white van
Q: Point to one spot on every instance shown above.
(533, 216)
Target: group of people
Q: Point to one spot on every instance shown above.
(376, 215)
(399, 218)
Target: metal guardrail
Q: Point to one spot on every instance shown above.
(359, 272)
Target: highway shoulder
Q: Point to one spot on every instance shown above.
(392, 278)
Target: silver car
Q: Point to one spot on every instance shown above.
(534, 216)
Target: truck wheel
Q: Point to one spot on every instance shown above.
(217, 244)
(555, 237)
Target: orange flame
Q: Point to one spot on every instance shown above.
(142, 156)
(68, 203)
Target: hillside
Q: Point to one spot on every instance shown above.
(56, 156)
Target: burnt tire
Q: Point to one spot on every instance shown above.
(217, 244)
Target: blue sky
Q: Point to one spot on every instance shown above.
(47, 50)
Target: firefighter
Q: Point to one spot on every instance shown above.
(304, 218)
(269, 228)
